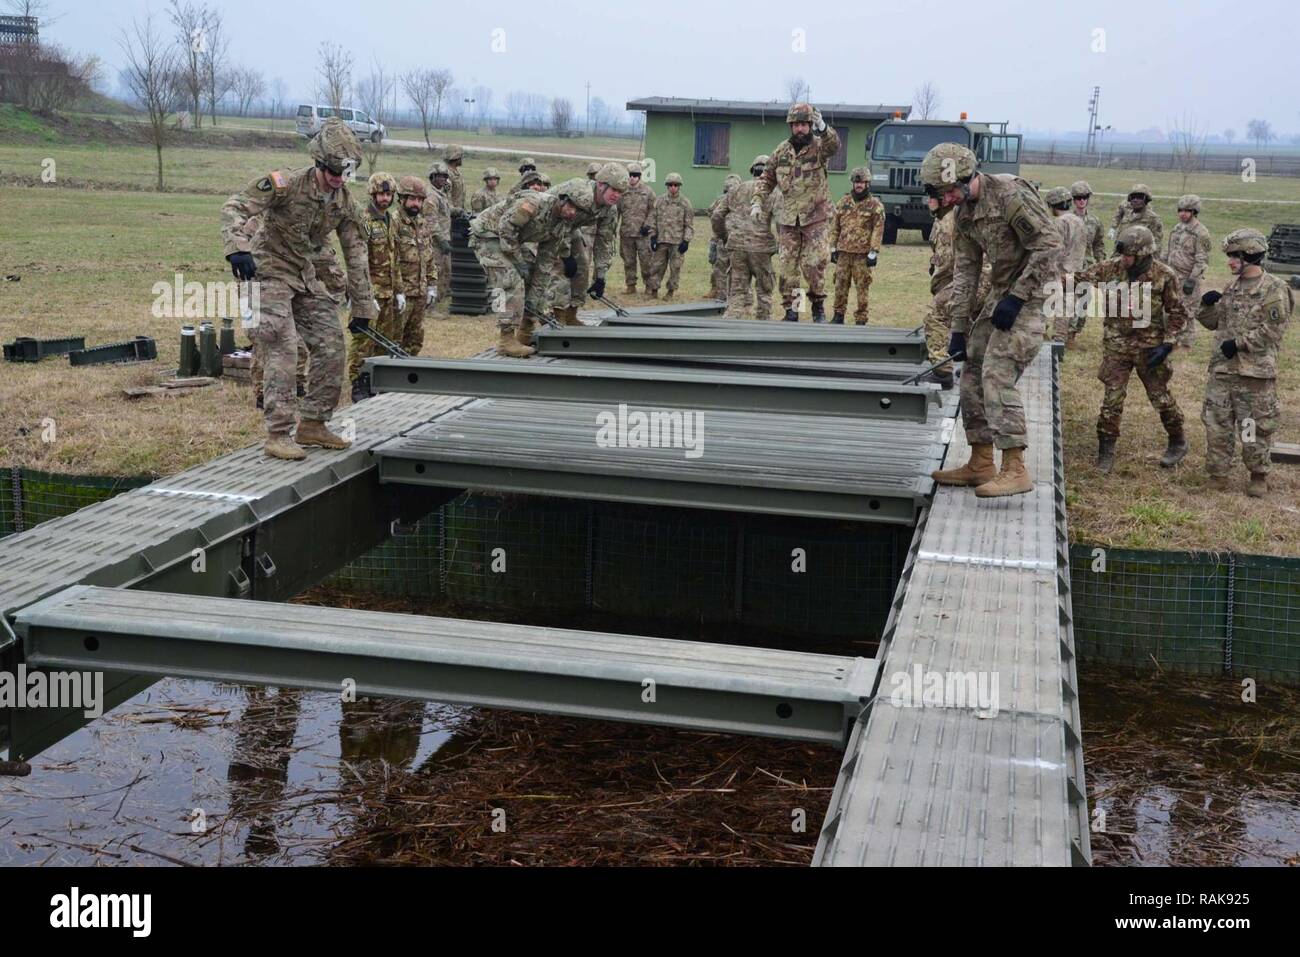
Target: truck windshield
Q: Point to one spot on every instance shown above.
(911, 143)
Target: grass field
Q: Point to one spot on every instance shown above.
(89, 256)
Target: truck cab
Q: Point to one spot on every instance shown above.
(897, 148)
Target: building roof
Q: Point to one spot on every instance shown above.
(760, 108)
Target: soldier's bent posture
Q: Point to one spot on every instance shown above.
(938, 318)
(798, 168)
(750, 244)
(634, 208)
(595, 234)
(856, 232)
(385, 277)
(1000, 217)
(417, 251)
(1138, 336)
(1249, 319)
(301, 289)
(1188, 255)
(671, 232)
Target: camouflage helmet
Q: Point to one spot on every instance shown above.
(578, 191)
(592, 169)
(336, 147)
(1080, 189)
(672, 178)
(1135, 241)
(731, 182)
(1189, 201)
(612, 174)
(800, 113)
(532, 176)
(412, 186)
(861, 174)
(544, 180)
(1245, 242)
(946, 165)
(438, 168)
(491, 173)
(634, 169)
(1140, 189)
(525, 163)
(760, 161)
(1057, 196)
(455, 154)
(381, 183)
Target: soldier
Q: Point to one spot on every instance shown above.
(538, 182)
(1094, 248)
(1249, 319)
(938, 317)
(255, 374)
(750, 244)
(584, 239)
(436, 218)
(526, 165)
(417, 252)
(1188, 254)
(999, 217)
(856, 231)
(301, 288)
(385, 277)
(634, 208)
(487, 196)
(719, 257)
(498, 237)
(798, 167)
(1139, 335)
(596, 199)
(1136, 211)
(671, 232)
(1073, 237)
(456, 180)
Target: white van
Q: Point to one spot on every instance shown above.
(311, 117)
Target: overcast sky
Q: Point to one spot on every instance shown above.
(1033, 63)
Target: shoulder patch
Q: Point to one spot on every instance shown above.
(264, 185)
(278, 180)
(1022, 224)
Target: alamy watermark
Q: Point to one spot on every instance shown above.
(659, 429)
(919, 688)
(179, 299)
(53, 689)
(1110, 300)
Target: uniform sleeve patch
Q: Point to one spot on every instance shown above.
(264, 184)
(1023, 226)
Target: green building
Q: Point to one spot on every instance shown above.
(704, 140)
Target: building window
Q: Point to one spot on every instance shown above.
(840, 161)
(712, 144)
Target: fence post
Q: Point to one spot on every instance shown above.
(16, 483)
(1229, 612)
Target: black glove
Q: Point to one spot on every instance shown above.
(597, 289)
(1006, 311)
(1228, 348)
(871, 259)
(1189, 285)
(654, 243)
(645, 230)
(357, 323)
(957, 345)
(1158, 355)
(835, 255)
(570, 267)
(931, 269)
(683, 246)
(242, 265)
(1211, 297)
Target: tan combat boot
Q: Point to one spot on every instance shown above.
(1258, 487)
(1012, 480)
(314, 432)
(509, 345)
(980, 469)
(568, 316)
(1219, 483)
(631, 288)
(280, 446)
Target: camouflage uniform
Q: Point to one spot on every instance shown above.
(634, 208)
(1188, 255)
(1094, 249)
(255, 374)
(385, 279)
(456, 180)
(301, 285)
(436, 217)
(1253, 314)
(1073, 252)
(486, 196)
(417, 254)
(751, 245)
(1127, 342)
(1126, 216)
(803, 217)
(595, 234)
(671, 224)
(938, 317)
(720, 274)
(856, 232)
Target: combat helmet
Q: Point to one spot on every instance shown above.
(1080, 189)
(760, 162)
(411, 186)
(861, 174)
(532, 176)
(731, 182)
(1057, 197)
(1135, 241)
(579, 192)
(673, 178)
(491, 173)
(544, 179)
(1246, 243)
(945, 166)
(1189, 201)
(592, 169)
(800, 113)
(438, 168)
(335, 147)
(455, 154)
(634, 169)
(613, 175)
(526, 164)
(381, 183)
(1140, 189)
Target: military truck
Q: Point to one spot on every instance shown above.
(897, 148)
(1284, 250)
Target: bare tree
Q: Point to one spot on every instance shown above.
(516, 103)
(190, 21)
(926, 101)
(442, 80)
(602, 115)
(535, 113)
(376, 92)
(561, 114)
(334, 69)
(151, 75)
(279, 93)
(796, 89)
(418, 86)
(1229, 135)
(1261, 131)
(482, 103)
(247, 83)
(1188, 141)
(215, 62)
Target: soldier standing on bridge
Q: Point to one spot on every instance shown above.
(999, 217)
(634, 208)
(856, 231)
(300, 285)
(1142, 323)
(798, 168)
(1188, 255)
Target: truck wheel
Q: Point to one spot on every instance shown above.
(891, 230)
(925, 231)
(376, 136)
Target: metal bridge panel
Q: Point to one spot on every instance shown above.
(784, 342)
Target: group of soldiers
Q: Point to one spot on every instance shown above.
(1000, 252)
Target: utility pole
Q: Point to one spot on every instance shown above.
(588, 107)
(1092, 119)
